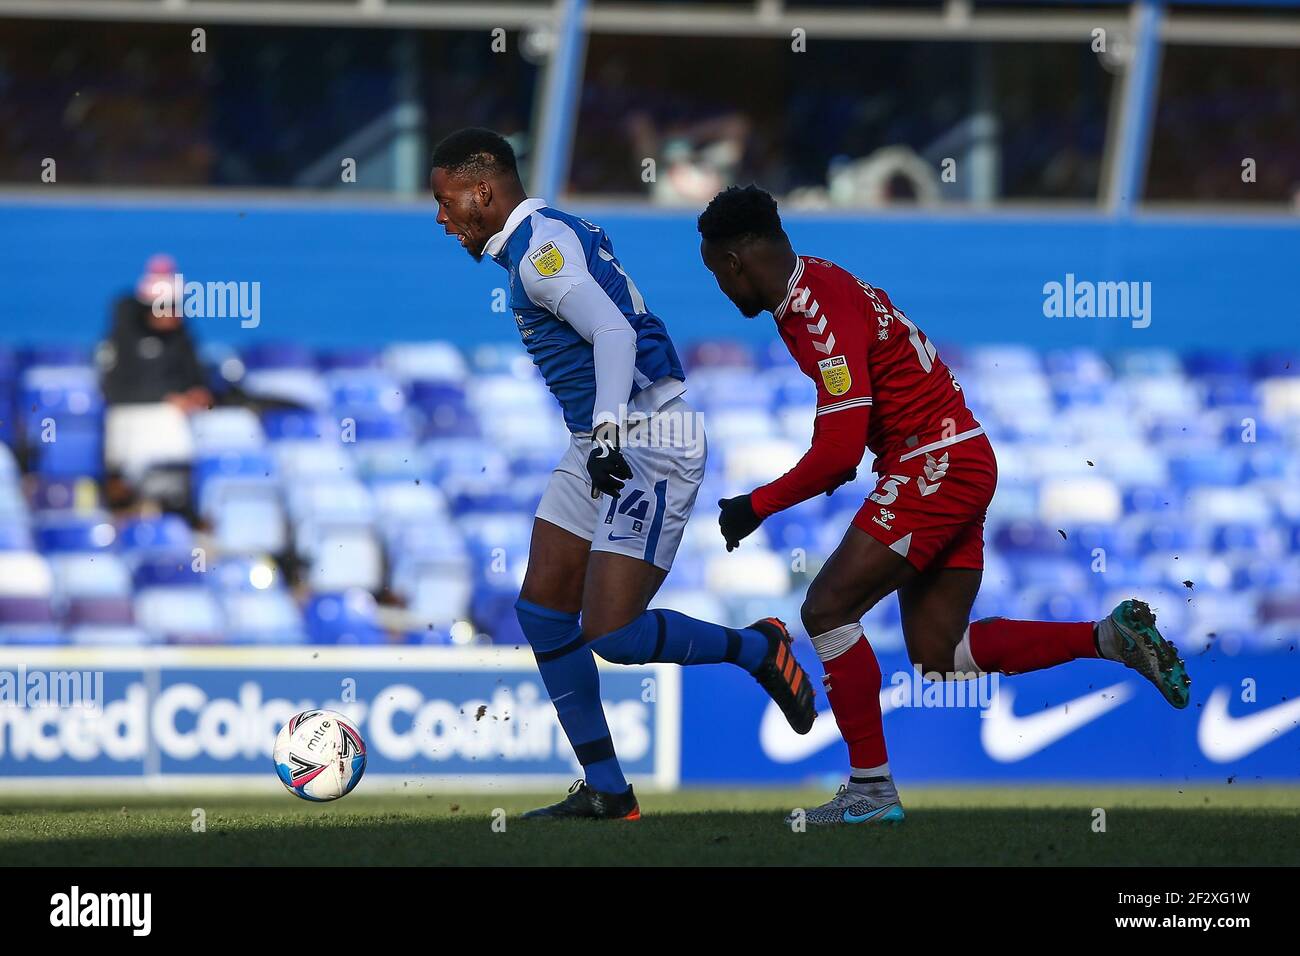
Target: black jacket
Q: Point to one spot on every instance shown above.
(140, 364)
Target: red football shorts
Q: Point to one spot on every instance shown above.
(929, 503)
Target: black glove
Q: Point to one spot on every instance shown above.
(843, 479)
(606, 463)
(737, 520)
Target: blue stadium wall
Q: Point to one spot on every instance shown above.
(334, 274)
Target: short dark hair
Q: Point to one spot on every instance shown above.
(476, 151)
(739, 214)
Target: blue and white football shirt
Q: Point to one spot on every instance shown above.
(547, 253)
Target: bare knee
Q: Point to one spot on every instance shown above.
(599, 621)
(931, 650)
(821, 612)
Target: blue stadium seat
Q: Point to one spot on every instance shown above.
(74, 531)
(262, 617)
(350, 358)
(1026, 538)
(426, 362)
(180, 614)
(216, 476)
(77, 451)
(222, 430)
(1060, 575)
(348, 617)
(1223, 391)
(167, 569)
(89, 574)
(304, 387)
(1219, 362)
(55, 354)
(1150, 499)
(138, 537)
(1147, 363)
(250, 520)
(303, 462)
(10, 473)
(15, 536)
(1206, 468)
(1048, 605)
(296, 424)
(366, 391)
(1278, 364)
(278, 355)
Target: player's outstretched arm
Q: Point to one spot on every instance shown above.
(831, 461)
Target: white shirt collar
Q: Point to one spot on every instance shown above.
(789, 288)
(517, 215)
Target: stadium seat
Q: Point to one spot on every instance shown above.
(15, 536)
(138, 537)
(347, 617)
(180, 614)
(262, 617)
(74, 531)
(304, 387)
(749, 572)
(353, 357)
(226, 430)
(278, 355)
(89, 576)
(343, 557)
(25, 574)
(425, 362)
(1064, 501)
(295, 424)
(76, 451)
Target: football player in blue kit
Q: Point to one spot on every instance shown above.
(612, 516)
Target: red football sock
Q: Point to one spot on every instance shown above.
(853, 687)
(1014, 647)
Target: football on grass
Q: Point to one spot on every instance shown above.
(319, 755)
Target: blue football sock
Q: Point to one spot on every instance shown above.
(674, 638)
(569, 673)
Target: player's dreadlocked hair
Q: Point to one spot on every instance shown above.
(476, 151)
(739, 214)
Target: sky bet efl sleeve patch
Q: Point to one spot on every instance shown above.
(547, 260)
(835, 374)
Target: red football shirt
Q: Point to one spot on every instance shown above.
(880, 383)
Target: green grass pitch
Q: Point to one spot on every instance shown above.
(1221, 825)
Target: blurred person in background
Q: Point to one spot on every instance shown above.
(152, 381)
(148, 355)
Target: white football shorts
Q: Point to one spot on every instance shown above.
(666, 451)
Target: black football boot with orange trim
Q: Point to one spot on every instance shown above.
(781, 676)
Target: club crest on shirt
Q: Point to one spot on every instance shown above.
(547, 260)
(835, 374)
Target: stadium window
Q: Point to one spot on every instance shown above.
(847, 123)
(127, 104)
(1218, 109)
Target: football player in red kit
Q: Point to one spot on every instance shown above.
(881, 385)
